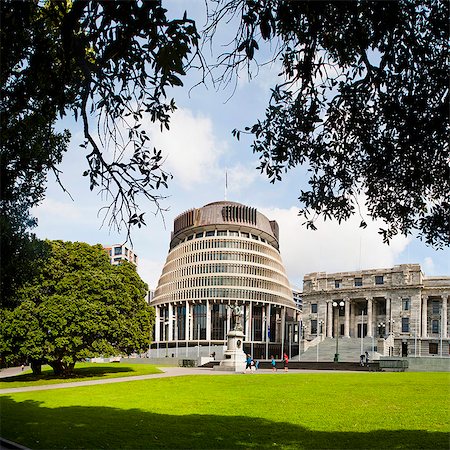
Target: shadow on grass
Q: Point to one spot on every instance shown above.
(78, 373)
(35, 426)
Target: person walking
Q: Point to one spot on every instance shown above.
(361, 360)
(273, 364)
(285, 362)
(248, 362)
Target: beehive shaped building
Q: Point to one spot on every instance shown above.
(220, 255)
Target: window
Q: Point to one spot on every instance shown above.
(337, 284)
(190, 237)
(433, 348)
(379, 279)
(358, 281)
(435, 304)
(210, 233)
(199, 235)
(435, 326)
(406, 304)
(314, 308)
(314, 326)
(234, 233)
(221, 232)
(117, 250)
(246, 235)
(255, 237)
(405, 324)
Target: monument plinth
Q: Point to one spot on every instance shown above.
(235, 358)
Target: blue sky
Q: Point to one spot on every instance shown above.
(200, 148)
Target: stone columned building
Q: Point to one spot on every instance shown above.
(395, 311)
(220, 255)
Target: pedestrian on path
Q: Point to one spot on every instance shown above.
(248, 362)
(273, 364)
(285, 362)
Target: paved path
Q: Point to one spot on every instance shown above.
(167, 372)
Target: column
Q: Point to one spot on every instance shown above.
(388, 316)
(424, 316)
(186, 321)
(228, 320)
(191, 322)
(157, 319)
(170, 328)
(329, 319)
(369, 316)
(249, 322)
(347, 317)
(208, 320)
(444, 317)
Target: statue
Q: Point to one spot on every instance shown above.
(235, 359)
(237, 312)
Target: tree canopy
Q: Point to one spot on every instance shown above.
(76, 306)
(363, 101)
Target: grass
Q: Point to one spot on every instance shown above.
(83, 371)
(296, 411)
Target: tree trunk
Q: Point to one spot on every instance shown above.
(62, 369)
(57, 367)
(36, 366)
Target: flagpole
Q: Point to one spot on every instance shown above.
(226, 183)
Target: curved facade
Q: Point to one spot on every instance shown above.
(223, 254)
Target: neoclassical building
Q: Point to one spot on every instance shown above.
(405, 312)
(224, 254)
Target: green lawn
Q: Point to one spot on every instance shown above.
(83, 371)
(298, 411)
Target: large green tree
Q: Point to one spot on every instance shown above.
(363, 102)
(77, 305)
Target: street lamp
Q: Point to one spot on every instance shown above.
(336, 355)
(319, 333)
(381, 329)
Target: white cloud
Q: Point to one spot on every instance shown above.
(192, 149)
(58, 210)
(332, 247)
(428, 266)
(240, 177)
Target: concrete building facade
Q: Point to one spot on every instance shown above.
(119, 252)
(404, 312)
(221, 255)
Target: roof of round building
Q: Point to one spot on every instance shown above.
(224, 215)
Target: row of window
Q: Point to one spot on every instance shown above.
(252, 282)
(223, 293)
(406, 306)
(234, 233)
(223, 243)
(228, 268)
(221, 321)
(358, 281)
(222, 256)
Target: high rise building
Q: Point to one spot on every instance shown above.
(224, 254)
(120, 252)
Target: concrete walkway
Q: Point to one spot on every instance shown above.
(167, 372)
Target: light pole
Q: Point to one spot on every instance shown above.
(320, 324)
(335, 305)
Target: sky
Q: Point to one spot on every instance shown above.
(199, 151)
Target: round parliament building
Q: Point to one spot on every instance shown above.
(222, 255)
